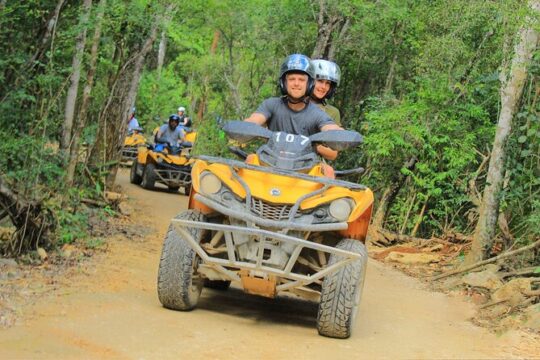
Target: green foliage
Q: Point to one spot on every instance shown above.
(95, 243)
(33, 165)
(211, 140)
(420, 81)
(73, 226)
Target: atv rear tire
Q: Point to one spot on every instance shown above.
(179, 285)
(149, 177)
(222, 285)
(341, 293)
(135, 178)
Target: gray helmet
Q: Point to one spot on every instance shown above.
(327, 70)
(296, 63)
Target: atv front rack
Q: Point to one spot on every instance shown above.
(174, 177)
(129, 153)
(264, 237)
(283, 172)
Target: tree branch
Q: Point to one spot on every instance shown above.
(488, 261)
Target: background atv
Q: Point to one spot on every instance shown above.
(133, 141)
(170, 166)
(278, 222)
(190, 136)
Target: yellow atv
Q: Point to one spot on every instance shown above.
(190, 136)
(161, 163)
(133, 141)
(278, 222)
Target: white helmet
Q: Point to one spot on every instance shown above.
(327, 70)
(181, 108)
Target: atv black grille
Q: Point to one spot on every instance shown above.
(270, 211)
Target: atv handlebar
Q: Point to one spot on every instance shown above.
(358, 170)
(239, 152)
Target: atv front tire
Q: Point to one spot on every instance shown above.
(134, 178)
(149, 177)
(179, 285)
(341, 293)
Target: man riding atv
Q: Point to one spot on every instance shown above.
(132, 142)
(167, 162)
(170, 133)
(275, 223)
(293, 113)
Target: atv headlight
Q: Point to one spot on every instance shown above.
(210, 183)
(340, 209)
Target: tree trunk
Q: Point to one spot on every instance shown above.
(390, 194)
(331, 29)
(33, 221)
(420, 218)
(380, 214)
(511, 90)
(202, 104)
(49, 30)
(14, 77)
(117, 129)
(106, 152)
(161, 52)
(407, 214)
(83, 113)
(71, 99)
(342, 34)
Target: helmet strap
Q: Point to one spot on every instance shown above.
(304, 99)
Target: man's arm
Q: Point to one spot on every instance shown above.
(331, 127)
(324, 151)
(257, 118)
(158, 136)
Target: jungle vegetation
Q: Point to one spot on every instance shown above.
(427, 83)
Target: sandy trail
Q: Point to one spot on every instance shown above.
(110, 310)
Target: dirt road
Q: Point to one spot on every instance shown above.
(110, 310)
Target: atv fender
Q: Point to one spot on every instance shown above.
(358, 228)
(142, 156)
(196, 205)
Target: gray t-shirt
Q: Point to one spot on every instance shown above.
(279, 117)
(172, 137)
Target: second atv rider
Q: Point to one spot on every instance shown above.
(133, 123)
(327, 76)
(185, 121)
(170, 133)
(293, 113)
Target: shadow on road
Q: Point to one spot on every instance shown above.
(282, 310)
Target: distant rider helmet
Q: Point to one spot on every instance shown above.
(327, 70)
(181, 109)
(296, 63)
